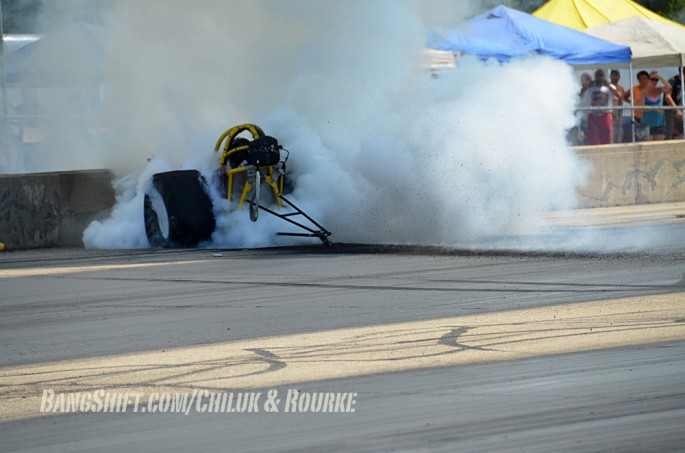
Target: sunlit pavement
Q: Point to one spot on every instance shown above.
(445, 349)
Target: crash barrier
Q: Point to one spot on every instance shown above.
(633, 173)
(52, 209)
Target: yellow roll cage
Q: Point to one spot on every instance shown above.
(229, 138)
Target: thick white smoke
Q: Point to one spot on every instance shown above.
(380, 150)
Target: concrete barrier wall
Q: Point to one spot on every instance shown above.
(52, 209)
(639, 173)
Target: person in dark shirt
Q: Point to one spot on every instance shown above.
(674, 123)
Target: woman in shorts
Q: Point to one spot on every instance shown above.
(655, 96)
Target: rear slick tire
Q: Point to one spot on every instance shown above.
(178, 210)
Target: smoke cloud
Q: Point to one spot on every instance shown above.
(381, 152)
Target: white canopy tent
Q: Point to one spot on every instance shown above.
(653, 44)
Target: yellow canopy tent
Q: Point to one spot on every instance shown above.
(582, 14)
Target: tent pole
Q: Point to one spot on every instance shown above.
(3, 83)
(632, 101)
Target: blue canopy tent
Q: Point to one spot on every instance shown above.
(503, 33)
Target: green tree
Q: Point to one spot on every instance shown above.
(45, 16)
(20, 16)
(24, 16)
(671, 9)
(666, 8)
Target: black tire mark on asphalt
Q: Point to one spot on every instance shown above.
(593, 289)
(451, 339)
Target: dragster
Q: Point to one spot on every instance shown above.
(178, 210)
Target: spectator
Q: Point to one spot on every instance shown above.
(617, 114)
(643, 83)
(29, 108)
(654, 95)
(29, 131)
(674, 123)
(29, 103)
(599, 123)
(585, 85)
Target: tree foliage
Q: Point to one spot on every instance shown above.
(671, 9)
(667, 8)
(20, 16)
(44, 16)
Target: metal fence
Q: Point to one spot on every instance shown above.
(629, 128)
(30, 143)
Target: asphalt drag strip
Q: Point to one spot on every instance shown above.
(351, 352)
